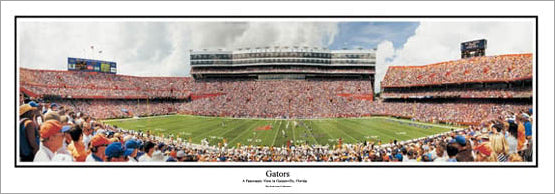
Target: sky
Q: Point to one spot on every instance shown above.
(160, 48)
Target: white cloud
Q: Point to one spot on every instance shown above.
(440, 41)
(156, 48)
(385, 52)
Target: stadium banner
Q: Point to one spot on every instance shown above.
(91, 65)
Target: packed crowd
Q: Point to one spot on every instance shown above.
(87, 84)
(521, 92)
(105, 109)
(65, 135)
(476, 69)
(295, 99)
(282, 98)
(462, 112)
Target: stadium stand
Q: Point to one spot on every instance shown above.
(283, 98)
(465, 91)
(462, 91)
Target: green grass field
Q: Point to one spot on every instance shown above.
(277, 132)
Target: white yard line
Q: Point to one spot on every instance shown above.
(292, 129)
(275, 136)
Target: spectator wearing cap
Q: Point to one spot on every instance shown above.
(180, 156)
(52, 116)
(149, 148)
(465, 149)
(171, 156)
(29, 138)
(67, 140)
(484, 153)
(97, 146)
(76, 147)
(131, 149)
(115, 153)
(51, 140)
(53, 108)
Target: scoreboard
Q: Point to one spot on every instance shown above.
(475, 48)
(90, 65)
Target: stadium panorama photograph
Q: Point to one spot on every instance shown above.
(255, 91)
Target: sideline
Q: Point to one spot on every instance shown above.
(420, 123)
(161, 116)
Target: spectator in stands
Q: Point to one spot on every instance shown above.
(53, 107)
(77, 147)
(527, 126)
(51, 140)
(97, 147)
(464, 149)
(452, 152)
(180, 155)
(131, 150)
(87, 134)
(149, 149)
(29, 140)
(52, 116)
(484, 153)
(512, 140)
(67, 140)
(441, 156)
(115, 153)
(499, 143)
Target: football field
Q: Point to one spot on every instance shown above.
(276, 132)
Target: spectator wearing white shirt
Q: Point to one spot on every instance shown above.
(149, 150)
(87, 134)
(51, 140)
